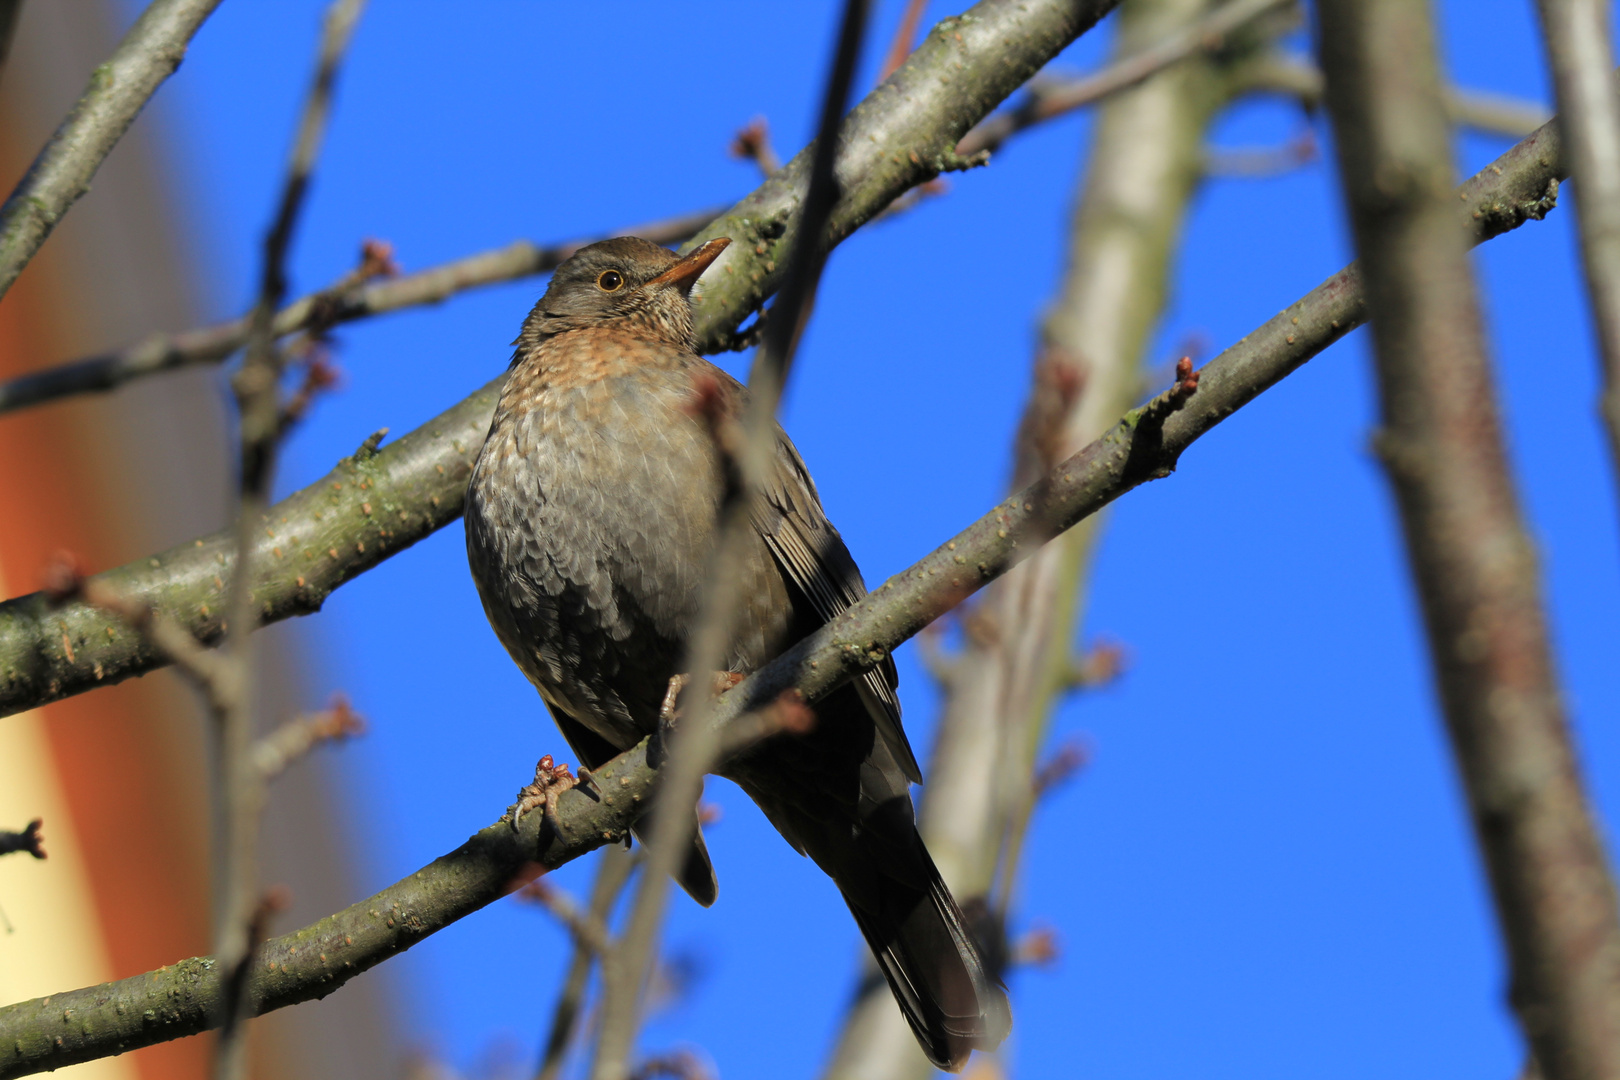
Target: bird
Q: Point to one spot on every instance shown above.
(590, 515)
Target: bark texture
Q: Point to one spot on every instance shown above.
(1471, 556)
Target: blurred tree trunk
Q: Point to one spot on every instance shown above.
(1017, 654)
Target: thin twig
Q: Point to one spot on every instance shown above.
(1043, 103)
(262, 422)
(1472, 557)
(117, 92)
(905, 38)
(1582, 58)
(298, 736)
(588, 931)
(350, 298)
(30, 839)
(1260, 163)
(314, 961)
(612, 874)
(985, 56)
(697, 744)
(753, 143)
(1476, 110)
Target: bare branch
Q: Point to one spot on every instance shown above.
(903, 134)
(29, 840)
(355, 296)
(297, 737)
(612, 874)
(1045, 102)
(118, 90)
(588, 931)
(1471, 555)
(1582, 56)
(63, 580)
(988, 53)
(1243, 163)
(680, 1065)
(1476, 110)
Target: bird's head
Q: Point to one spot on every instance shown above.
(624, 280)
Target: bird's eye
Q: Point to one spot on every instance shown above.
(610, 281)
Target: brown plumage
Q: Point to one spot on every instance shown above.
(590, 515)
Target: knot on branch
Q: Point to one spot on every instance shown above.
(1495, 218)
(332, 305)
(1148, 459)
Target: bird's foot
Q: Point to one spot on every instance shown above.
(550, 781)
(669, 712)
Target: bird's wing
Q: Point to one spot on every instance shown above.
(812, 554)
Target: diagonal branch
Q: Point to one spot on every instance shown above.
(904, 133)
(1204, 35)
(1477, 110)
(118, 90)
(177, 1000)
(380, 502)
(345, 301)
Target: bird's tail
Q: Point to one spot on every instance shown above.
(921, 941)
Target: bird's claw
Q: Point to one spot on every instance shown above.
(669, 712)
(550, 781)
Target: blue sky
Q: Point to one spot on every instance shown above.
(1266, 868)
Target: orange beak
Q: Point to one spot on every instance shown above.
(684, 274)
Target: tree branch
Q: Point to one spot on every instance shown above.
(612, 874)
(298, 736)
(118, 90)
(345, 301)
(310, 963)
(1471, 555)
(903, 134)
(1477, 110)
(1206, 35)
(1582, 56)
(378, 503)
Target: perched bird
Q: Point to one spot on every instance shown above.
(590, 516)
